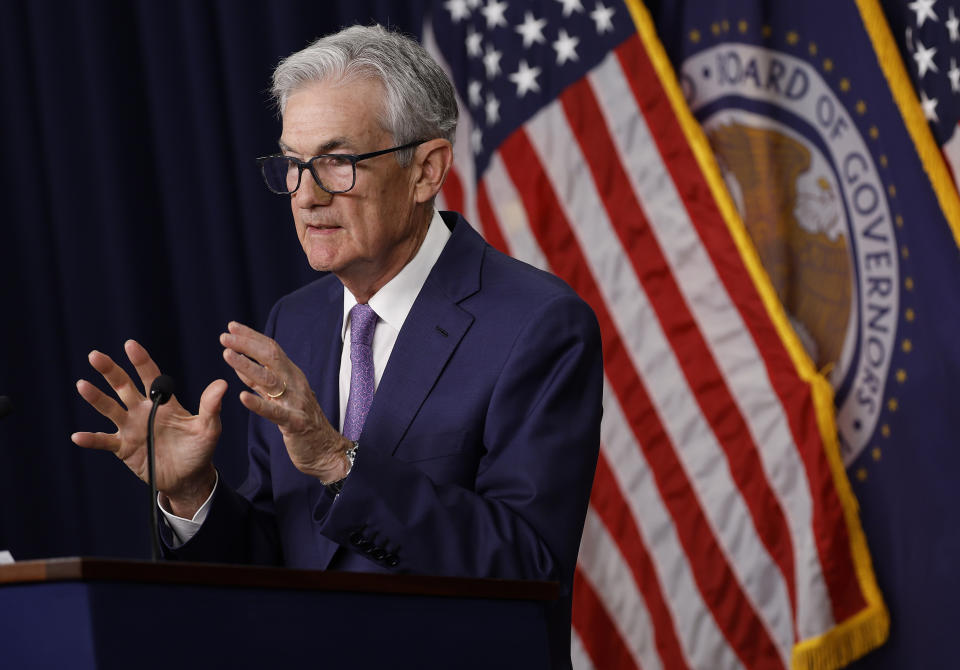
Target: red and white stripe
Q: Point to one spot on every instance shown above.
(714, 537)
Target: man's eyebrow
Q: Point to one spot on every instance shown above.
(324, 148)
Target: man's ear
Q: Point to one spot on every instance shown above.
(434, 158)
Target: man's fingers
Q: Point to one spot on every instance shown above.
(101, 402)
(271, 411)
(211, 400)
(237, 328)
(144, 365)
(254, 375)
(105, 441)
(118, 379)
(257, 346)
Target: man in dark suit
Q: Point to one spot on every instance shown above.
(466, 385)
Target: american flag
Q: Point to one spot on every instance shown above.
(929, 39)
(928, 34)
(721, 531)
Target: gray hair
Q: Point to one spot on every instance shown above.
(420, 102)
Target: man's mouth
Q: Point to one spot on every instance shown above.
(322, 227)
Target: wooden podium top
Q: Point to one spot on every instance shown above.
(214, 574)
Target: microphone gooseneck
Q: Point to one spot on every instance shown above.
(160, 392)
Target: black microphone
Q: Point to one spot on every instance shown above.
(6, 406)
(160, 391)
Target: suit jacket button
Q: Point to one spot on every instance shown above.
(391, 561)
(379, 553)
(357, 540)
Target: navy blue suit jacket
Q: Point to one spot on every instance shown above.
(478, 453)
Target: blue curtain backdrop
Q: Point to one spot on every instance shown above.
(132, 207)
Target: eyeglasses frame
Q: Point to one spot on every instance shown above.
(308, 165)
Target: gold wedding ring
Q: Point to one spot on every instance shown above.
(274, 396)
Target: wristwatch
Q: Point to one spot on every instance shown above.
(351, 454)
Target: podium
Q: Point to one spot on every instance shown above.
(86, 613)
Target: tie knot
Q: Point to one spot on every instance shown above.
(362, 321)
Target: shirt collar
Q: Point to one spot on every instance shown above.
(394, 301)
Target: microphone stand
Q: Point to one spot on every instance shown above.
(160, 392)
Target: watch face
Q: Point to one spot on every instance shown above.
(352, 453)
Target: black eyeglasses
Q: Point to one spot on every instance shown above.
(334, 173)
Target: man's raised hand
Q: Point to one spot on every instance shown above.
(184, 442)
(282, 394)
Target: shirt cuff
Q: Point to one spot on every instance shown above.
(184, 529)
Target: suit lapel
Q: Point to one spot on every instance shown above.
(431, 333)
(323, 369)
(429, 337)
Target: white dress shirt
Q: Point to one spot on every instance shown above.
(392, 303)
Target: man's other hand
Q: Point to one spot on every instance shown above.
(184, 442)
(283, 396)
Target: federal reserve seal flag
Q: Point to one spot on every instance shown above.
(824, 148)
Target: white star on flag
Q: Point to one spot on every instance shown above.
(954, 75)
(929, 106)
(493, 12)
(492, 109)
(476, 140)
(526, 79)
(953, 25)
(924, 58)
(474, 41)
(491, 61)
(570, 6)
(474, 88)
(602, 16)
(458, 10)
(566, 47)
(923, 10)
(532, 30)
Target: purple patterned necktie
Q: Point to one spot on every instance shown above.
(362, 322)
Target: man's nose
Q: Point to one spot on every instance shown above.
(309, 194)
